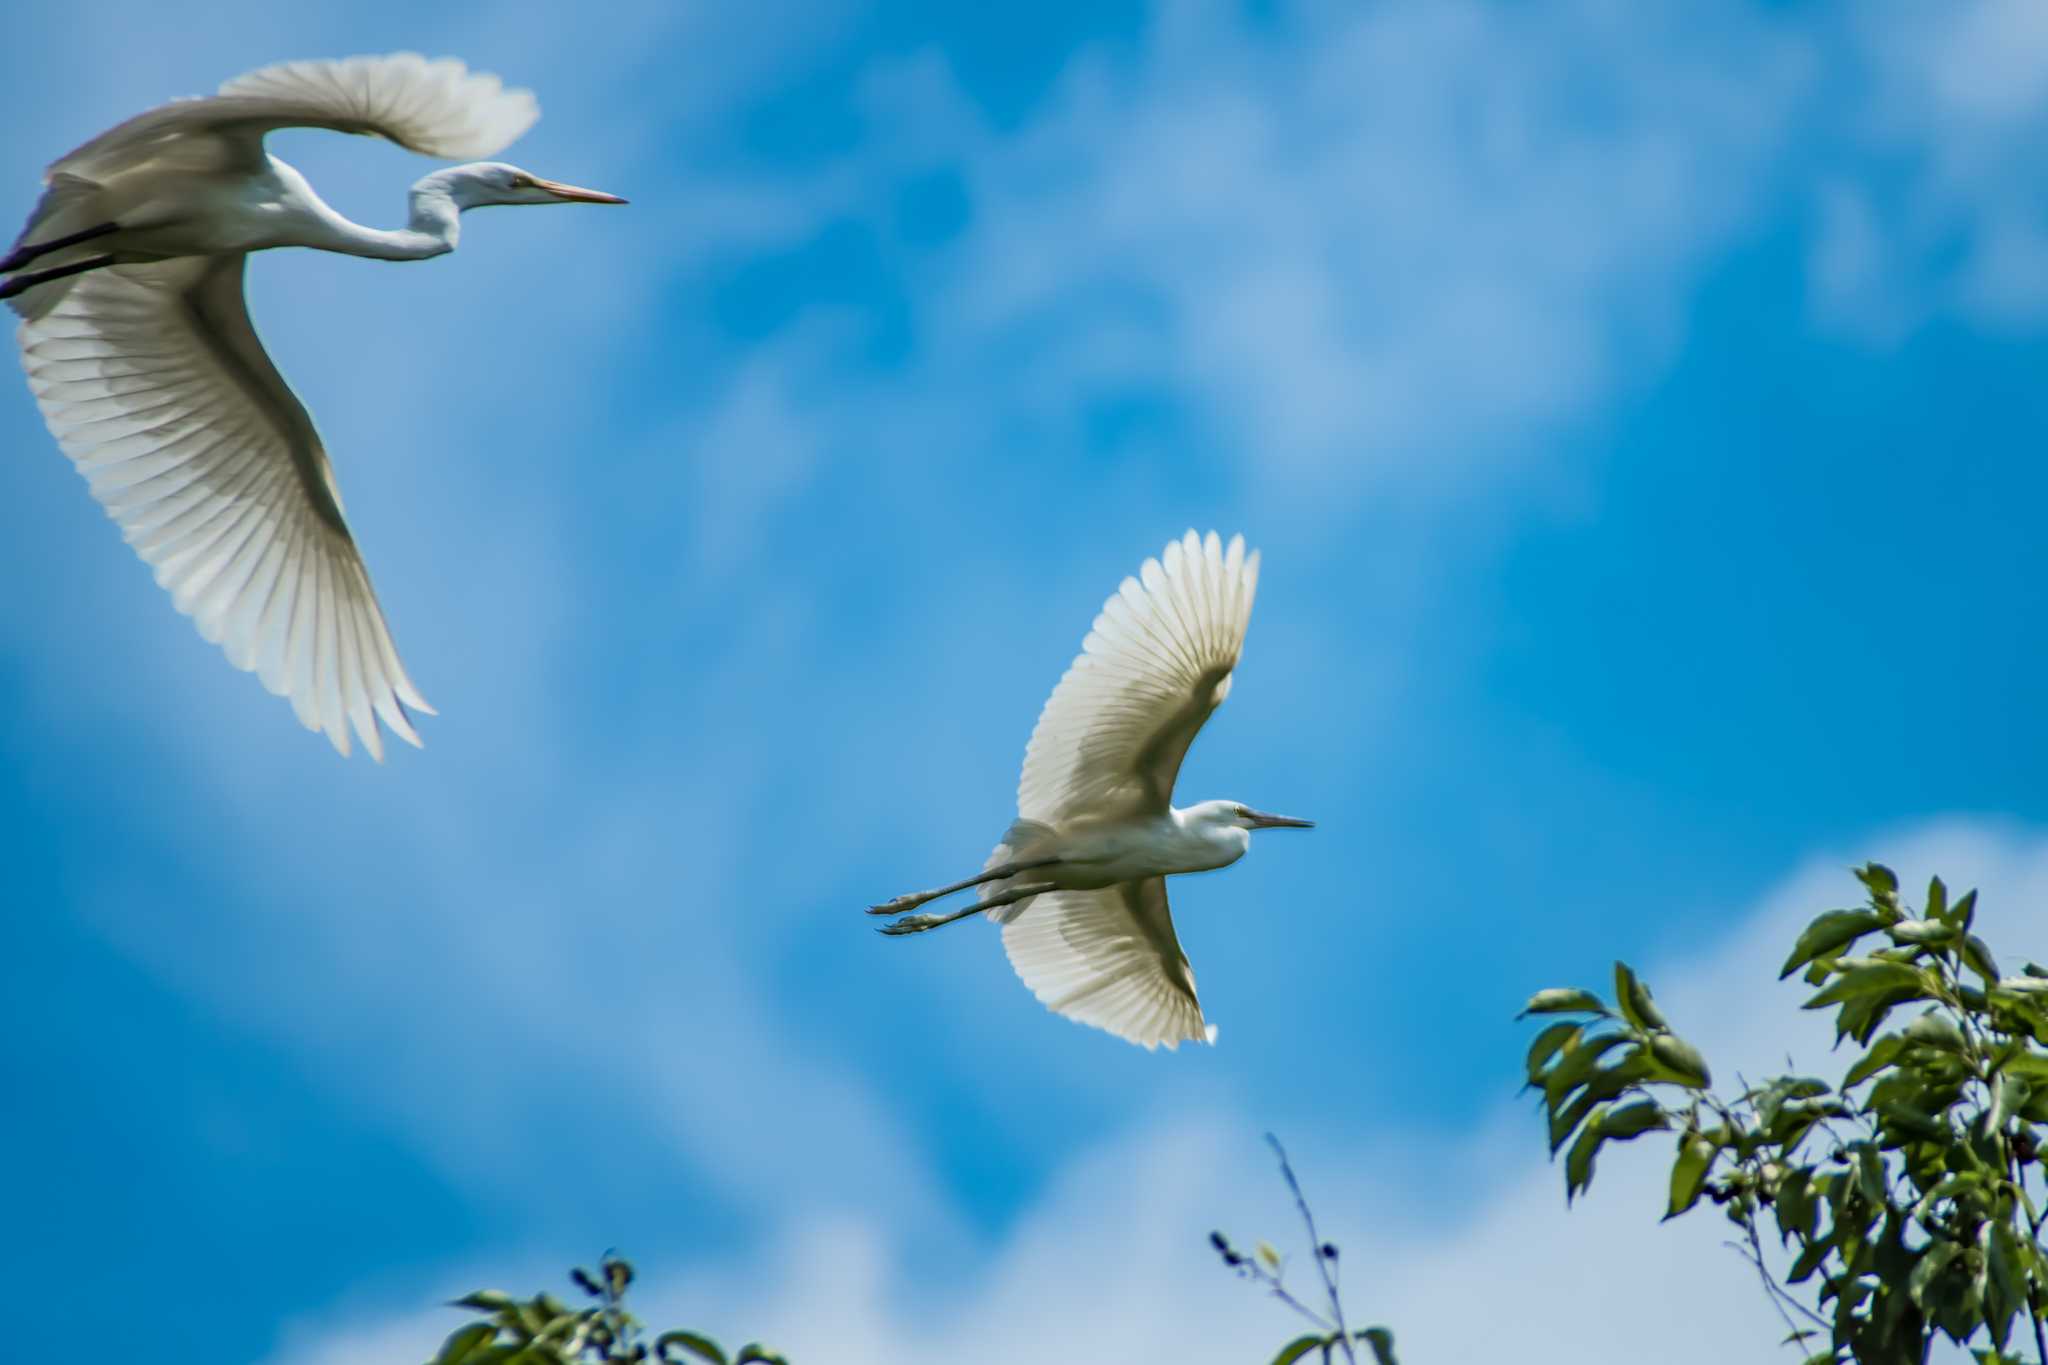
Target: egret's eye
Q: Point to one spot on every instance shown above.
(520, 182)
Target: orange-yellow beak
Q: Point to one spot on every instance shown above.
(575, 194)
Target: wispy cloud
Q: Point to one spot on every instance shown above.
(1360, 249)
(1936, 203)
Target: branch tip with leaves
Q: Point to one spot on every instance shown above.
(1910, 1195)
(544, 1331)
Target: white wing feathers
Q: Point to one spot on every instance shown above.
(1110, 742)
(1110, 958)
(438, 108)
(1156, 663)
(153, 382)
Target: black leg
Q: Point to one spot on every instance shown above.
(993, 874)
(917, 924)
(30, 279)
(27, 252)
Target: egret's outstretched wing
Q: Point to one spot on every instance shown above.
(1109, 958)
(439, 108)
(154, 383)
(1156, 663)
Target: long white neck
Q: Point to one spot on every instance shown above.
(432, 228)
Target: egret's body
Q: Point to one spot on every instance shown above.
(1095, 852)
(139, 348)
(1078, 883)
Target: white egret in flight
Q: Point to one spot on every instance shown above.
(139, 348)
(1079, 882)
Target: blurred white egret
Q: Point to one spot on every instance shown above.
(1078, 883)
(139, 348)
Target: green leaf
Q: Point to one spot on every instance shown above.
(1382, 1343)
(464, 1340)
(1870, 1174)
(2009, 1095)
(1809, 1261)
(1632, 1120)
(1872, 979)
(1913, 1121)
(1879, 878)
(1681, 1059)
(703, 1347)
(1836, 929)
(1977, 956)
(1634, 999)
(484, 1301)
(1297, 1348)
(1865, 1015)
(1794, 1204)
(501, 1354)
(559, 1328)
(1921, 931)
(2007, 1281)
(1933, 1261)
(1561, 1000)
(1936, 1029)
(1548, 1042)
(1576, 1063)
(1578, 1167)
(1564, 1122)
(754, 1353)
(1689, 1172)
(1937, 899)
(1882, 1054)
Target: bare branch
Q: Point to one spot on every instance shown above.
(1315, 1250)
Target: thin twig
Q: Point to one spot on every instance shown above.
(1279, 1292)
(1315, 1250)
(1779, 1293)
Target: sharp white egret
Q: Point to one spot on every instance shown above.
(140, 351)
(1078, 883)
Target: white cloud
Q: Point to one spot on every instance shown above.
(1933, 200)
(1111, 1262)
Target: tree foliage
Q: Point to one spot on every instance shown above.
(543, 1330)
(1909, 1196)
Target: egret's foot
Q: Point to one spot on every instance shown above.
(915, 924)
(900, 904)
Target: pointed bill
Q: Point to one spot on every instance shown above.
(576, 194)
(1261, 820)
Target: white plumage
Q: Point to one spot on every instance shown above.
(218, 481)
(140, 352)
(436, 108)
(1079, 881)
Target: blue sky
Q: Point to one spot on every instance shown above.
(1640, 418)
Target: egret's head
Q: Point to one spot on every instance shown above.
(494, 182)
(1237, 815)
